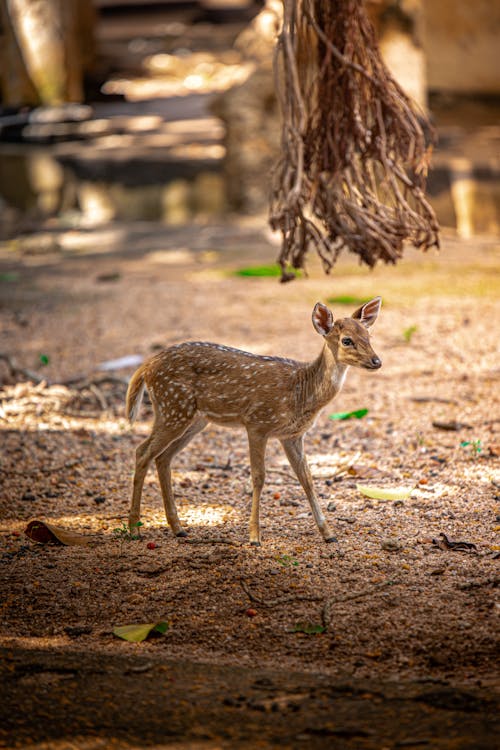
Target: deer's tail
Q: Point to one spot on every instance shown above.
(135, 392)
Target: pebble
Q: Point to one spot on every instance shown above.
(286, 501)
(331, 507)
(29, 496)
(390, 545)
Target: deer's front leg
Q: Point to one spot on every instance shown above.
(257, 445)
(294, 449)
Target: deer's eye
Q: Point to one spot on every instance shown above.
(346, 341)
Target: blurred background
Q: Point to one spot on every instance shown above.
(166, 111)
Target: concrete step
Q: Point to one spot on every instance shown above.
(158, 159)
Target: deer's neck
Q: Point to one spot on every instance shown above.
(321, 380)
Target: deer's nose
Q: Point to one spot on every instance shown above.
(376, 362)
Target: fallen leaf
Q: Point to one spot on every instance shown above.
(446, 544)
(45, 533)
(308, 628)
(451, 426)
(111, 276)
(385, 493)
(357, 414)
(9, 276)
(139, 632)
(363, 472)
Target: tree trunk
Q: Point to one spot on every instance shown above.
(47, 46)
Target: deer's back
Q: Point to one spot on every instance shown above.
(227, 385)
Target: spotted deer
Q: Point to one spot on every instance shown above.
(194, 383)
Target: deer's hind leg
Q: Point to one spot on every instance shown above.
(172, 421)
(164, 474)
(155, 444)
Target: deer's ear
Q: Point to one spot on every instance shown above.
(322, 319)
(367, 314)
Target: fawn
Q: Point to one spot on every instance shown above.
(194, 383)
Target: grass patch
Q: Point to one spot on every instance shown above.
(272, 270)
(9, 276)
(346, 299)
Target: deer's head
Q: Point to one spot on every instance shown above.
(348, 338)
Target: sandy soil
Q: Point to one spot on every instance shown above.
(394, 606)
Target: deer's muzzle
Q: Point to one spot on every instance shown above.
(375, 363)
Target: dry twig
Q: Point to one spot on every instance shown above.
(15, 371)
(279, 600)
(326, 613)
(354, 155)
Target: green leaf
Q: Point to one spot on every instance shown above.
(286, 561)
(357, 414)
(44, 359)
(273, 270)
(139, 632)
(385, 493)
(309, 628)
(346, 299)
(408, 333)
(9, 276)
(161, 627)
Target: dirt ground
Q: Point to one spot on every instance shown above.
(401, 616)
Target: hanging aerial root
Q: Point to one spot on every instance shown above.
(354, 155)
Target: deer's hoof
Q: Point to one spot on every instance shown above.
(331, 539)
(181, 533)
(255, 544)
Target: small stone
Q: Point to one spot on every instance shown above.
(99, 499)
(29, 496)
(390, 545)
(75, 631)
(398, 503)
(437, 572)
(287, 501)
(331, 507)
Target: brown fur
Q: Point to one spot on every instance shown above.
(192, 384)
